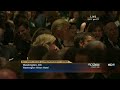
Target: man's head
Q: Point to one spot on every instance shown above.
(97, 29)
(111, 31)
(19, 18)
(83, 39)
(87, 38)
(76, 14)
(59, 28)
(97, 51)
(28, 15)
(72, 31)
(96, 45)
(7, 74)
(2, 16)
(23, 30)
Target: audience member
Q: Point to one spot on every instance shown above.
(112, 33)
(82, 39)
(59, 29)
(22, 40)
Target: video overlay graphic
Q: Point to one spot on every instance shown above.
(35, 66)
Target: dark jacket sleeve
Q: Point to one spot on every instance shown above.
(22, 47)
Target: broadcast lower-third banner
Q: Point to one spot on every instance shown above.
(66, 68)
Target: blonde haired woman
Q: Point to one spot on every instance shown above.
(46, 40)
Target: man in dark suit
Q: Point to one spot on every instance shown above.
(112, 42)
(112, 39)
(22, 40)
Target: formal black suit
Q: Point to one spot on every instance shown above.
(109, 45)
(22, 47)
(113, 52)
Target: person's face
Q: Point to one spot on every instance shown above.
(98, 33)
(87, 40)
(112, 31)
(62, 33)
(23, 31)
(9, 14)
(73, 30)
(76, 15)
(29, 15)
(53, 48)
(33, 13)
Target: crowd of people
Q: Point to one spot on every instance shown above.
(76, 36)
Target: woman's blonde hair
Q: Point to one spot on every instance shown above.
(40, 31)
(44, 40)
